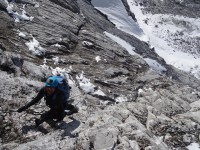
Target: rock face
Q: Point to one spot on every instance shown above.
(126, 105)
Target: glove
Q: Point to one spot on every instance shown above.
(21, 109)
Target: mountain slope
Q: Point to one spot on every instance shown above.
(123, 103)
(172, 28)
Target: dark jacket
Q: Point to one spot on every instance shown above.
(56, 100)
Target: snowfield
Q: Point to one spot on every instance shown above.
(175, 38)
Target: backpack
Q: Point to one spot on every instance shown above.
(60, 83)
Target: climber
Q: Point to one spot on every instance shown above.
(56, 94)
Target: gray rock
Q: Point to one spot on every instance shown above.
(1, 120)
(104, 139)
(37, 72)
(71, 5)
(5, 26)
(114, 72)
(3, 4)
(26, 2)
(155, 112)
(12, 63)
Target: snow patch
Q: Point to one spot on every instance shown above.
(57, 45)
(45, 66)
(45, 61)
(21, 34)
(61, 71)
(121, 42)
(87, 86)
(17, 17)
(121, 99)
(34, 46)
(98, 58)
(155, 65)
(140, 91)
(99, 92)
(56, 60)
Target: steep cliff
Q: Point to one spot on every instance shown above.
(127, 99)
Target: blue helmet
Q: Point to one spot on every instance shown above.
(52, 82)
